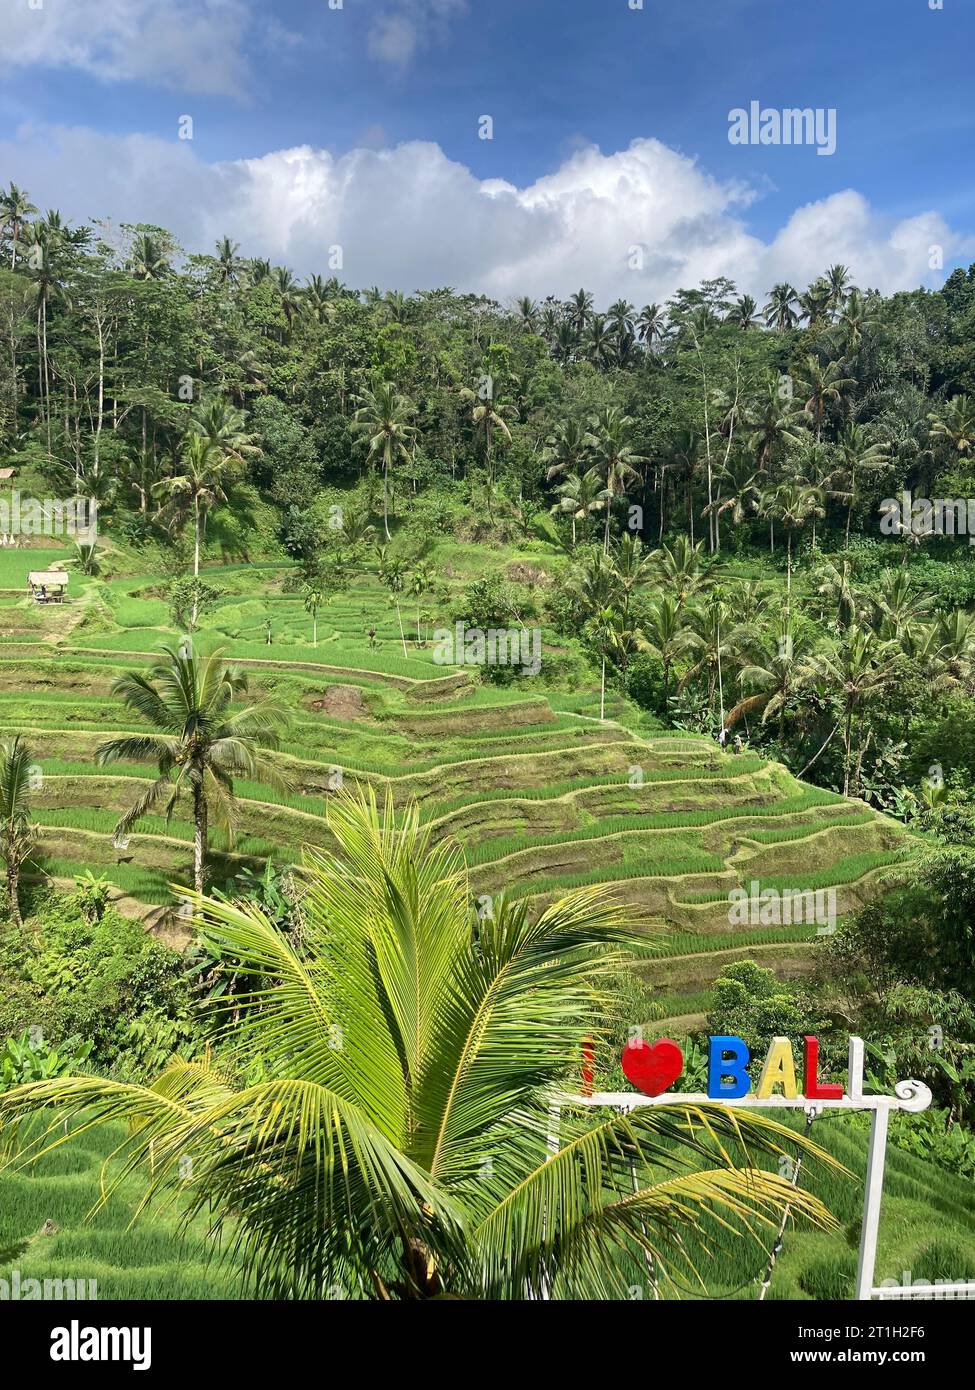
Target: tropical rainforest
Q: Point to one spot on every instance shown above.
(303, 921)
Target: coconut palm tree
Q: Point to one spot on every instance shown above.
(356, 530)
(599, 341)
(739, 490)
(614, 637)
(632, 564)
(224, 428)
(954, 424)
(392, 574)
(857, 454)
(397, 306)
(399, 1061)
(780, 311)
(198, 740)
(626, 349)
(528, 312)
(566, 447)
(898, 604)
(288, 292)
(858, 669)
(834, 583)
(594, 584)
(744, 313)
(148, 259)
(710, 646)
(680, 569)
(317, 587)
(954, 651)
(815, 466)
(781, 670)
(836, 280)
(490, 416)
(566, 342)
(229, 264)
(195, 490)
(43, 244)
(825, 385)
(815, 304)
(383, 419)
(317, 298)
(614, 456)
(15, 208)
(549, 320)
(792, 504)
(579, 311)
(17, 834)
(620, 317)
(857, 318)
(581, 497)
(420, 583)
(651, 324)
(775, 421)
(665, 632)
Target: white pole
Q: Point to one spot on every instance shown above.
(876, 1155)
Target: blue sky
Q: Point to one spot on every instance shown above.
(557, 76)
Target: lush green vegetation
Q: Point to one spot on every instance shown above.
(302, 490)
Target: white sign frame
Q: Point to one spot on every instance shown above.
(912, 1096)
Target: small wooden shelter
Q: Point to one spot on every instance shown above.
(47, 586)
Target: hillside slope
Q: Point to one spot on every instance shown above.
(540, 793)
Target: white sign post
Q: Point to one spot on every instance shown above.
(912, 1096)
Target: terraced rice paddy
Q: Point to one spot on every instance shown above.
(540, 793)
(49, 1232)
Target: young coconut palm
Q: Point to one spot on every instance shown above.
(199, 741)
(395, 1143)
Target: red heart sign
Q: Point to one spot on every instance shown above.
(652, 1069)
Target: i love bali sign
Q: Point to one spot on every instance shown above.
(653, 1067)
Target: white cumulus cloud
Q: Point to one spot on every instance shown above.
(196, 46)
(636, 223)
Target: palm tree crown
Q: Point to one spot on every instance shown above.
(198, 740)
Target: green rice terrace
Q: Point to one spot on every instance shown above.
(50, 1231)
(542, 795)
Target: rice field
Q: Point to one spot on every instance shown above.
(541, 796)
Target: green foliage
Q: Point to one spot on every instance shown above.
(31, 1058)
(748, 1002)
(72, 975)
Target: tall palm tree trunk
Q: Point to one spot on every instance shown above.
(196, 559)
(386, 498)
(13, 893)
(847, 752)
(200, 837)
(602, 693)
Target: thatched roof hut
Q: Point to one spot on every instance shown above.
(47, 586)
